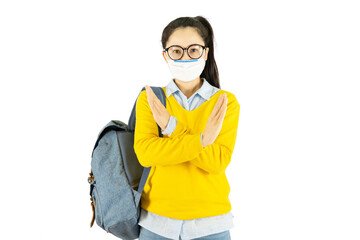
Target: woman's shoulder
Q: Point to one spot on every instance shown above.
(231, 96)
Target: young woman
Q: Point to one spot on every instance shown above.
(186, 194)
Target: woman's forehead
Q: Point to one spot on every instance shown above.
(185, 37)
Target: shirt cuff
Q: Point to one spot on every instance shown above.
(170, 126)
(201, 139)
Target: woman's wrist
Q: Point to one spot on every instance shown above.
(203, 140)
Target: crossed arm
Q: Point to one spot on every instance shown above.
(153, 150)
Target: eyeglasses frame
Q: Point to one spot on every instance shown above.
(187, 50)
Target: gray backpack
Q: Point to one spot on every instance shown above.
(116, 177)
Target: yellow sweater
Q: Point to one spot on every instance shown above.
(186, 181)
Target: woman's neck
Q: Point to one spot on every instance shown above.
(189, 88)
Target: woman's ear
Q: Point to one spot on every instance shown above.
(164, 56)
(207, 51)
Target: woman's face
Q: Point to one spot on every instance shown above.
(184, 37)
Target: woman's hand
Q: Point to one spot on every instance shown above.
(214, 123)
(160, 113)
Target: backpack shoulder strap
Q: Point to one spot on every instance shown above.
(159, 92)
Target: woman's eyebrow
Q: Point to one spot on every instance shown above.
(186, 46)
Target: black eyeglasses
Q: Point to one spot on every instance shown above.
(176, 52)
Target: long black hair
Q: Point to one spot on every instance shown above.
(205, 30)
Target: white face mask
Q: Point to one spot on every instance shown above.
(186, 70)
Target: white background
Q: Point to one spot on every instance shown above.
(69, 67)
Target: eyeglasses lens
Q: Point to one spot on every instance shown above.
(195, 51)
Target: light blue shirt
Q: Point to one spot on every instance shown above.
(194, 228)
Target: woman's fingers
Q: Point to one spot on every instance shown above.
(216, 107)
(160, 113)
(219, 101)
(220, 106)
(149, 92)
(153, 99)
(150, 97)
(223, 109)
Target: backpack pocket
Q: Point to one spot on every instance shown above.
(98, 210)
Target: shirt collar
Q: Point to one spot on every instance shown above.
(204, 91)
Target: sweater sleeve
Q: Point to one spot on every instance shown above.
(152, 150)
(171, 127)
(216, 157)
